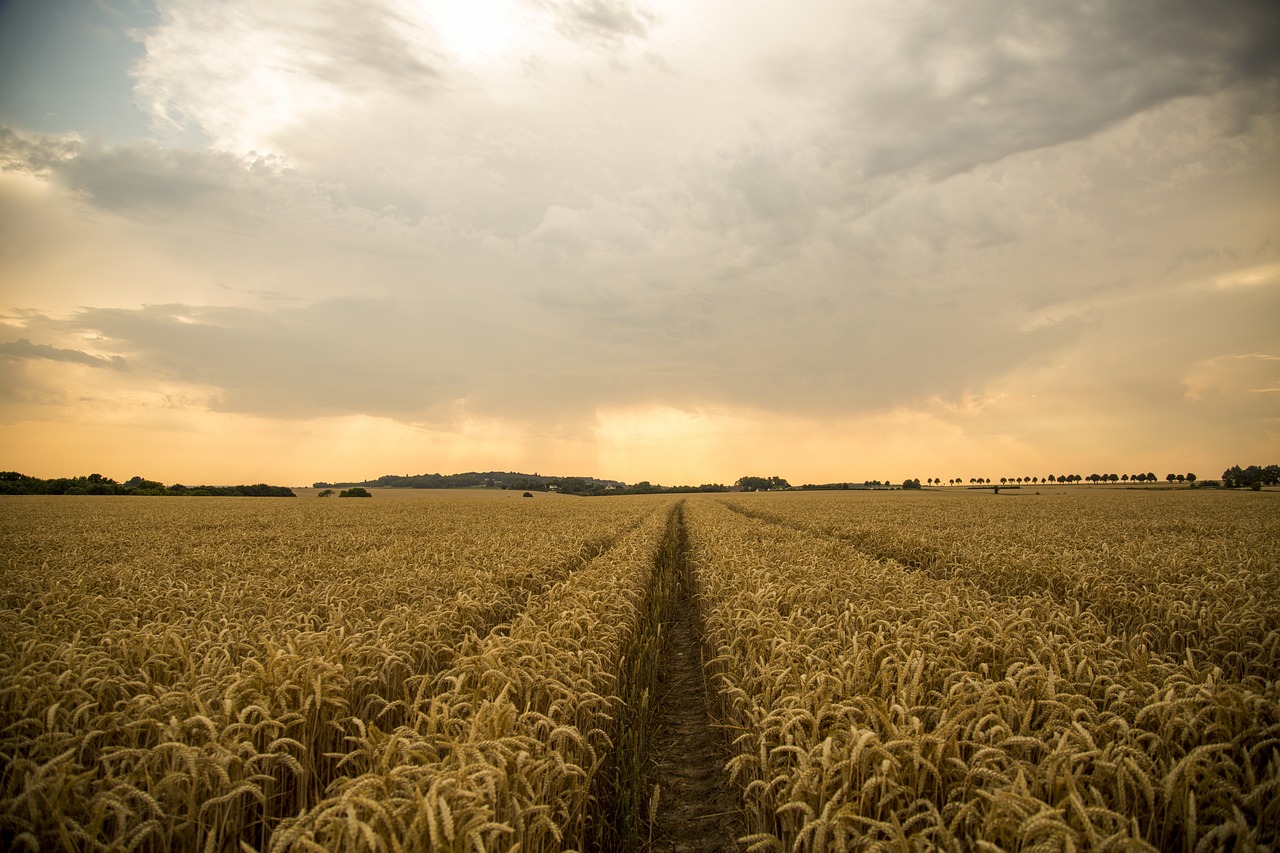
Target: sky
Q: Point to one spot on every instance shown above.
(668, 241)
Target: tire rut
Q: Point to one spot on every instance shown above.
(687, 794)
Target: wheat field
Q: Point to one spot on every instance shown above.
(473, 672)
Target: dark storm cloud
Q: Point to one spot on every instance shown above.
(25, 349)
(163, 187)
(142, 177)
(340, 357)
(974, 82)
(412, 357)
(34, 154)
(812, 210)
(150, 178)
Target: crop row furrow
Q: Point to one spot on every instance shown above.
(881, 706)
(1171, 594)
(222, 662)
(515, 746)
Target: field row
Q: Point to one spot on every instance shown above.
(1173, 572)
(192, 680)
(876, 703)
(480, 672)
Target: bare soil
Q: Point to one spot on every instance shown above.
(696, 809)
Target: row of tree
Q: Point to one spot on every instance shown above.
(514, 481)
(644, 487)
(13, 483)
(1065, 478)
(1253, 477)
(850, 487)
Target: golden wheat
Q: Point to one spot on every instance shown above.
(892, 705)
(954, 672)
(189, 674)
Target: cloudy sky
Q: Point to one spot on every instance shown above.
(667, 240)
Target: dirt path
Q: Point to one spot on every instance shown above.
(696, 810)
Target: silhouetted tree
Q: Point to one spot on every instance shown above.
(355, 492)
(1254, 477)
(762, 484)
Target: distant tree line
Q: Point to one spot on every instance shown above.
(13, 483)
(585, 486)
(644, 487)
(1253, 477)
(591, 486)
(486, 480)
(1067, 479)
(848, 487)
(762, 484)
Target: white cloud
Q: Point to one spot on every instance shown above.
(246, 73)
